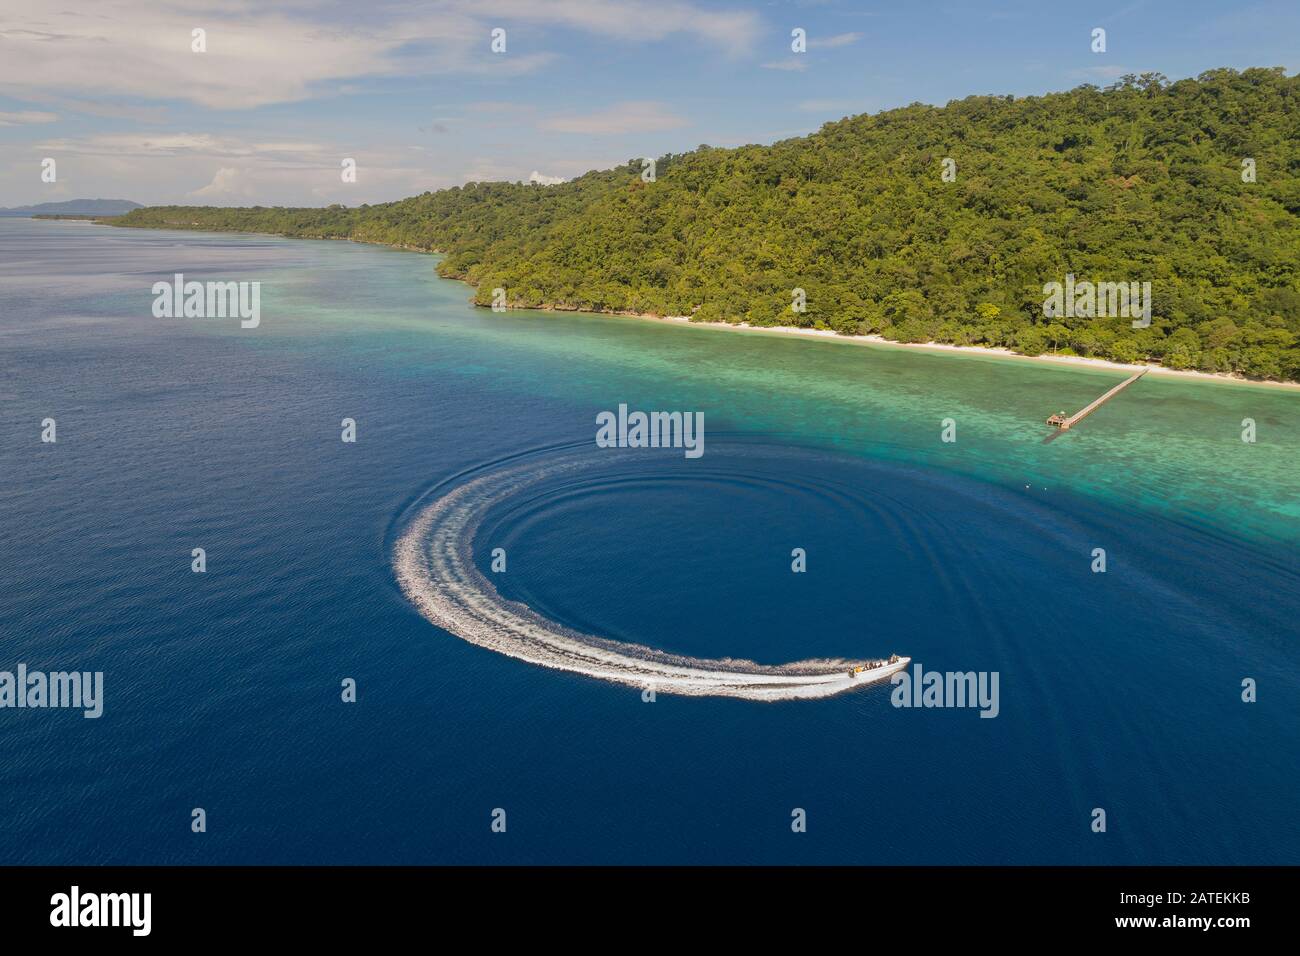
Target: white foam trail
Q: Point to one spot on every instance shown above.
(434, 567)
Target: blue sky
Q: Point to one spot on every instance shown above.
(112, 90)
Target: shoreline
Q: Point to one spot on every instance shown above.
(995, 352)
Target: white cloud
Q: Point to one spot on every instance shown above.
(536, 177)
(260, 55)
(199, 146)
(25, 117)
(131, 60)
(134, 49)
(226, 184)
(487, 170)
(637, 20)
(639, 116)
(831, 42)
(797, 63)
(235, 170)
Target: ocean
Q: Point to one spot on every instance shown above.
(1119, 691)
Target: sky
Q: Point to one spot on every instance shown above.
(285, 90)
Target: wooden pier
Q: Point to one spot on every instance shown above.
(1064, 424)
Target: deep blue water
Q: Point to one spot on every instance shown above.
(1119, 691)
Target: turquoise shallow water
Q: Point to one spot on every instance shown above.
(1118, 690)
(1169, 446)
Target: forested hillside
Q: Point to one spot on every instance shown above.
(1142, 181)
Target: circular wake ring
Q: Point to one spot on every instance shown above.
(433, 563)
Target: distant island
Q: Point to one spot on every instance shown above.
(920, 224)
(95, 208)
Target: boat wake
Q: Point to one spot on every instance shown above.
(433, 563)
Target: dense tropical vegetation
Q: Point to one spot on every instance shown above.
(1141, 181)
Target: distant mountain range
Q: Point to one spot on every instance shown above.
(75, 207)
